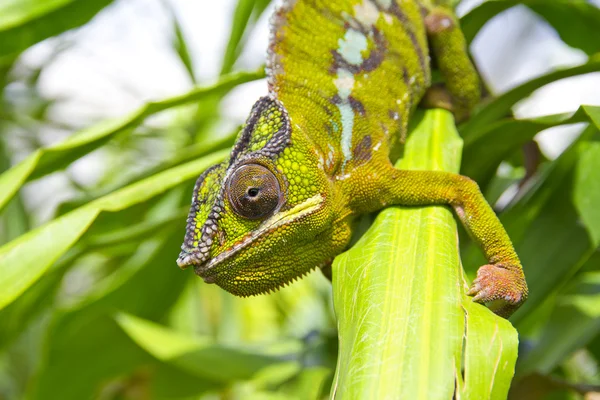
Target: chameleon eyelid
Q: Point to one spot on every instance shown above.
(253, 191)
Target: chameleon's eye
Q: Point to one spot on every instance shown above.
(253, 191)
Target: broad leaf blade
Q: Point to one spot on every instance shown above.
(398, 296)
(489, 356)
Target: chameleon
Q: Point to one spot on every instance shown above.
(344, 78)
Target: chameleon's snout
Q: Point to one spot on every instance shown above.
(187, 259)
(197, 260)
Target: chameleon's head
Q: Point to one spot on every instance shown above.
(260, 219)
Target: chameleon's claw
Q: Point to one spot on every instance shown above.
(502, 289)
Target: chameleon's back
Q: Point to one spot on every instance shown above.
(349, 71)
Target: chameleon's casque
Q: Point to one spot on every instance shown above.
(344, 79)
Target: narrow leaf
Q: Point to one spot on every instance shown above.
(487, 148)
(194, 354)
(87, 331)
(587, 189)
(500, 107)
(24, 23)
(46, 161)
(24, 260)
(573, 323)
(576, 21)
(241, 16)
(472, 22)
(246, 12)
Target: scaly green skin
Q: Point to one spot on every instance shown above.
(344, 78)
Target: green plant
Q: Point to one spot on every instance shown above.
(144, 329)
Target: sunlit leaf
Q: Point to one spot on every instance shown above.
(491, 342)
(24, 23)
(587, 189)
(51, 159)
(398, 296)
(25, 259)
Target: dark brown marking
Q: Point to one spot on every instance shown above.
(362, 152)
(409, 28)
(357, 106)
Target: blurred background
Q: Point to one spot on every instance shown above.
(137, 51)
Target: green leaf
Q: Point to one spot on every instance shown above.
(492, 343)
(399, 294)
(51, 159)
(587, 189)
(173, 383)
(147, 285)
(472, 22)
(246, 12)
(187, 154)
(196, 355)
(488, 147)
(573, 323)
(545, 229)
(180, 44)
(23, 23)
(576, 21)
(25, 259)
(500, 107)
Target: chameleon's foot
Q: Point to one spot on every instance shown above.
(502, 289)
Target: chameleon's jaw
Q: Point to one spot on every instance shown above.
(203, 264)
(187, 259)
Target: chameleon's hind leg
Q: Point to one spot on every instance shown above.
(462, 88)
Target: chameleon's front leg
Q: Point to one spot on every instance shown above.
(501, 283)
(462, 88)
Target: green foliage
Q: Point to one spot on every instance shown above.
(92, 304)
(432, 319)
(561, 14)
(24, 23)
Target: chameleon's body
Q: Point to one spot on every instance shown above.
(344, 79)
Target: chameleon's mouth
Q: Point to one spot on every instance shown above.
(202, 267)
